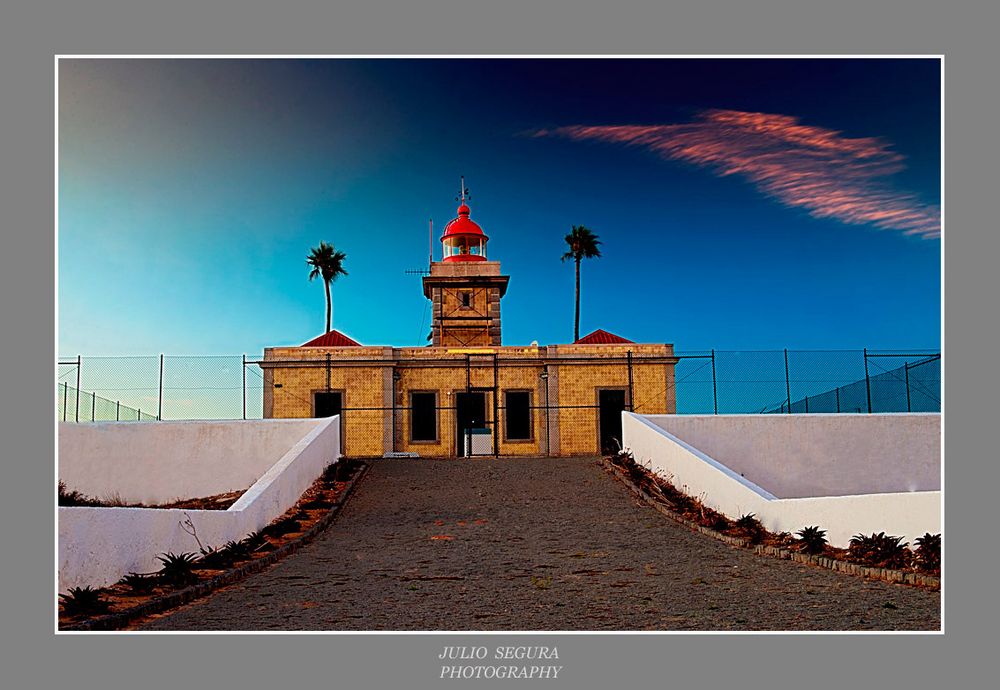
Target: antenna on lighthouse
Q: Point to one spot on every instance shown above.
(463, 192)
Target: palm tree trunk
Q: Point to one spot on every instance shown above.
(576, 319)
(329, 305)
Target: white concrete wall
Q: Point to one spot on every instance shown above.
(160, 462)
(99, 545)
(909, 514)
(798, 456)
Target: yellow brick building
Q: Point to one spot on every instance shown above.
(466, 393)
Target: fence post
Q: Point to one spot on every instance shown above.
(631, 391)
(837, 390)
(788, 384)
(93, 407)
(118, 407)
(807, 404)
(906, 373)
(868, 383)
(244, 386)
(65, 398)
(715, 389)
(394, 376)
(159, 403)
(496, 406)
(79, 363)
(548, 430)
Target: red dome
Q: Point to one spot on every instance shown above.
(463, 225)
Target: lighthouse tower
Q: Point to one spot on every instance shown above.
(465, 287)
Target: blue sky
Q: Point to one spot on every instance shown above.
(742, 204)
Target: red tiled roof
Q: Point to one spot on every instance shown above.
(332, 339)
(601, 337)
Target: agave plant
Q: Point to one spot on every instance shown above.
(750, 527)
(880, 550)
(178, 569)
(784, 538)
(214, 559)
(83, 601)
(812, 540)
(282, 527)
(139, 583)
(254, 541)
(928, 555)
(236, 551)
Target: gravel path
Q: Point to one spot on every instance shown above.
(535, 544)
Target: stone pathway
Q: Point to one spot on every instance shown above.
(534, 544)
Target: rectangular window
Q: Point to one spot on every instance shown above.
(517, 417)
(466, 299)
(327, 404)
(423, 416)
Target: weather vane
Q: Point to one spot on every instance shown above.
(463, 192)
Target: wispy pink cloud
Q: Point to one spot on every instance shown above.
(813, 168)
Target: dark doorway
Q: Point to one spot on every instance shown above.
(611, 404)
(470, 413)
(328, 404)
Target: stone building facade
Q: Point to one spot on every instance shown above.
(466, 393)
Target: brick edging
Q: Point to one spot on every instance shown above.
(885, 574)
(116, 621)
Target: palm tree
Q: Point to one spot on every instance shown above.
(582, 245)
(327, 262)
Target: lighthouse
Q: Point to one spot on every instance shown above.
(465, 287)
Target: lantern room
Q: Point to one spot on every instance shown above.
(463, 239)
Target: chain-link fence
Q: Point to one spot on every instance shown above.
(158, 387)
(709, 382)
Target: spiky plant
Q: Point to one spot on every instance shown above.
(282, 527)
(784, 538)
(928, 554)
(214, 559)
(236, 551)
(83, 601)
(74, 498)
(254, 541)
(139, 583)
(178, 569)
(880, 550)
(750, 527)
(812, 540)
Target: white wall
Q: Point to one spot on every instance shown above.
(909, 514)
(796, 456)
(99, 545)
(159, 462)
